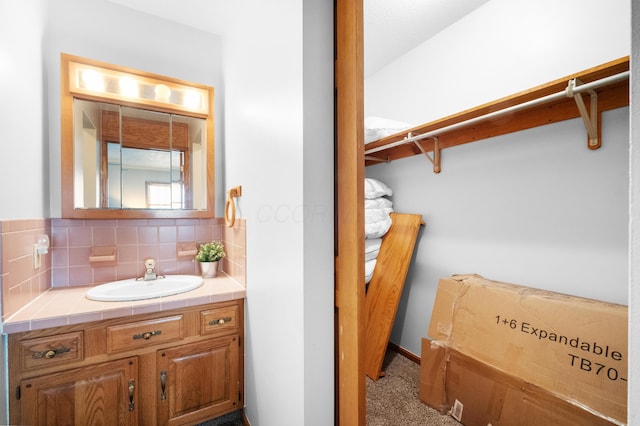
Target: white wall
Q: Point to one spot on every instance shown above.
(279, 147)
(115, 34)
(318, 196)
(536, 207)
(23, 145)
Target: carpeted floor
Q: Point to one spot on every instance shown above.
(393, 399)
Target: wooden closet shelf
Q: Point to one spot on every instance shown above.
(610, 96)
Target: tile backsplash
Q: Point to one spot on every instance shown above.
(21, 283)
(74, 241)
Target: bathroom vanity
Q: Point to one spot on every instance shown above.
(166, 367)
(170, 360)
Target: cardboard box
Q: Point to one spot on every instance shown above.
(571, 347)
(476, 394)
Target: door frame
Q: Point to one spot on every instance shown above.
(349, 225)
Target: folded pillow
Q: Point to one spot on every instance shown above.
(373, 188)
(378, 203)
(369, 267)
(372, 248)
(376, 215)
(376, 229)
(377, 128)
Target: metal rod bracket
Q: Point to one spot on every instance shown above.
(590, 118)
(435, 160)
(380, 160)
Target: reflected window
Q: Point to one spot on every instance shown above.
(162, 195)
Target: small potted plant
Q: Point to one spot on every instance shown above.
(208, 256)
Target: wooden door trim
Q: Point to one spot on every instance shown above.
(349, 228)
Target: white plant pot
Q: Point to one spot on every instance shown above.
(209, 269)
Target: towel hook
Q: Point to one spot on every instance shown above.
(230, 218)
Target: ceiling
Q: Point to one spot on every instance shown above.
(394, 27)
(391, 27)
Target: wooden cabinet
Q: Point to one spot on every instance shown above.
(177, 367)
(103, 394)
(196, 379)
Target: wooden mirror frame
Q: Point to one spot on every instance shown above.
(67, 95)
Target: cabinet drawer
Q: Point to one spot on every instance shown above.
(219, 319)
(52, 350)
(144, 333)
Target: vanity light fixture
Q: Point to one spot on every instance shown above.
(163, 93)
(92, 80)
(128, 87)
(192, 99)
(97, 80)
(143, 112)
(39, 248)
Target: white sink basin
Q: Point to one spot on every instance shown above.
(138, 289)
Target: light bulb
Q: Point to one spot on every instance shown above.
(192, 99)
(162, 93)
(92, 80)
(128, 87)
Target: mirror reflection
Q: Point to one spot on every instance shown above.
(132, 158)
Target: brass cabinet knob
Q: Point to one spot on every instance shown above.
(220, 321)
(51, 353)
(146, 335)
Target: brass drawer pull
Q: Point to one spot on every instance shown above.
(50, 353)
(132, 388)
(146, 336)
(163, 385)
(220, 321)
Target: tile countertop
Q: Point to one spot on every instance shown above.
(69, 305)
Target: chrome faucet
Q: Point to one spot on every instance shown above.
(149, 270)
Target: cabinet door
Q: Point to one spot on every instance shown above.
(103, 394)
(198, 381)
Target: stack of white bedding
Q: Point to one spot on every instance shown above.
(376, 221)
(377, 128)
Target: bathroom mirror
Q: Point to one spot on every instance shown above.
(134, 145)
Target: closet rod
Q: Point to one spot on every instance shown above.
(554, 96)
